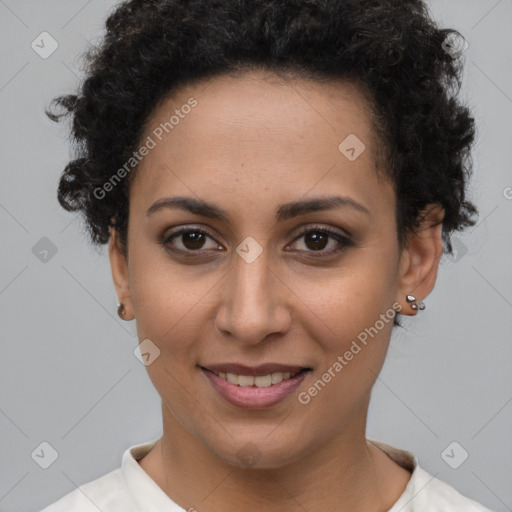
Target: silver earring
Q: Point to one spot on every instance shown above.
(411, 299)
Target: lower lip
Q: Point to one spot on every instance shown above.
(254, 397)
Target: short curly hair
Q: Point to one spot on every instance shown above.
(392, 48)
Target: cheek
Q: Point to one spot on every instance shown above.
(355, 309)
(352, 298)
(167, 312)
(169, 309)
(163, 300)
(353, 350)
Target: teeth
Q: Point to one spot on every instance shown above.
(277, 378)
(231, 377)
(262, 381)
(245, 380)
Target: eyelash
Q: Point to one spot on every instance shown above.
(344, 242)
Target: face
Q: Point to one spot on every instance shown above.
(281, 255)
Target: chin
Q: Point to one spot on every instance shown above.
(259, 449)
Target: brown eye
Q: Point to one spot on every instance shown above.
(323, 241)
(189, 240)
(315, 240)
(193, 239)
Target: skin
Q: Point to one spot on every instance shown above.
(254, 142)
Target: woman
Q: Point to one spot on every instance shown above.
(276, 182)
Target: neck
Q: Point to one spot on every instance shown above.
(343, 474)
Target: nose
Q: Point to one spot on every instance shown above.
(255, 302)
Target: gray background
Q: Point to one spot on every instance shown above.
(68, 375)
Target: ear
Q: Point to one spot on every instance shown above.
(420, 258)
(120, 276)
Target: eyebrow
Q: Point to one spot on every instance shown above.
(283, 212)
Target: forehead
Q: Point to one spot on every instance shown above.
(256, 132)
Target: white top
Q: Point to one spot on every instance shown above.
(130, 489)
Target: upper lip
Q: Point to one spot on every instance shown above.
(255, 371)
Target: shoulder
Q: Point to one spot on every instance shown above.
(107, 493)
(432, 494)
(424, 492)
(116, 491)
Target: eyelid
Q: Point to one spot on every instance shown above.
(177, 230)
(326, 229)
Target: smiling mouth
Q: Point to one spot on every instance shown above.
(255, 387)
(259, 381)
